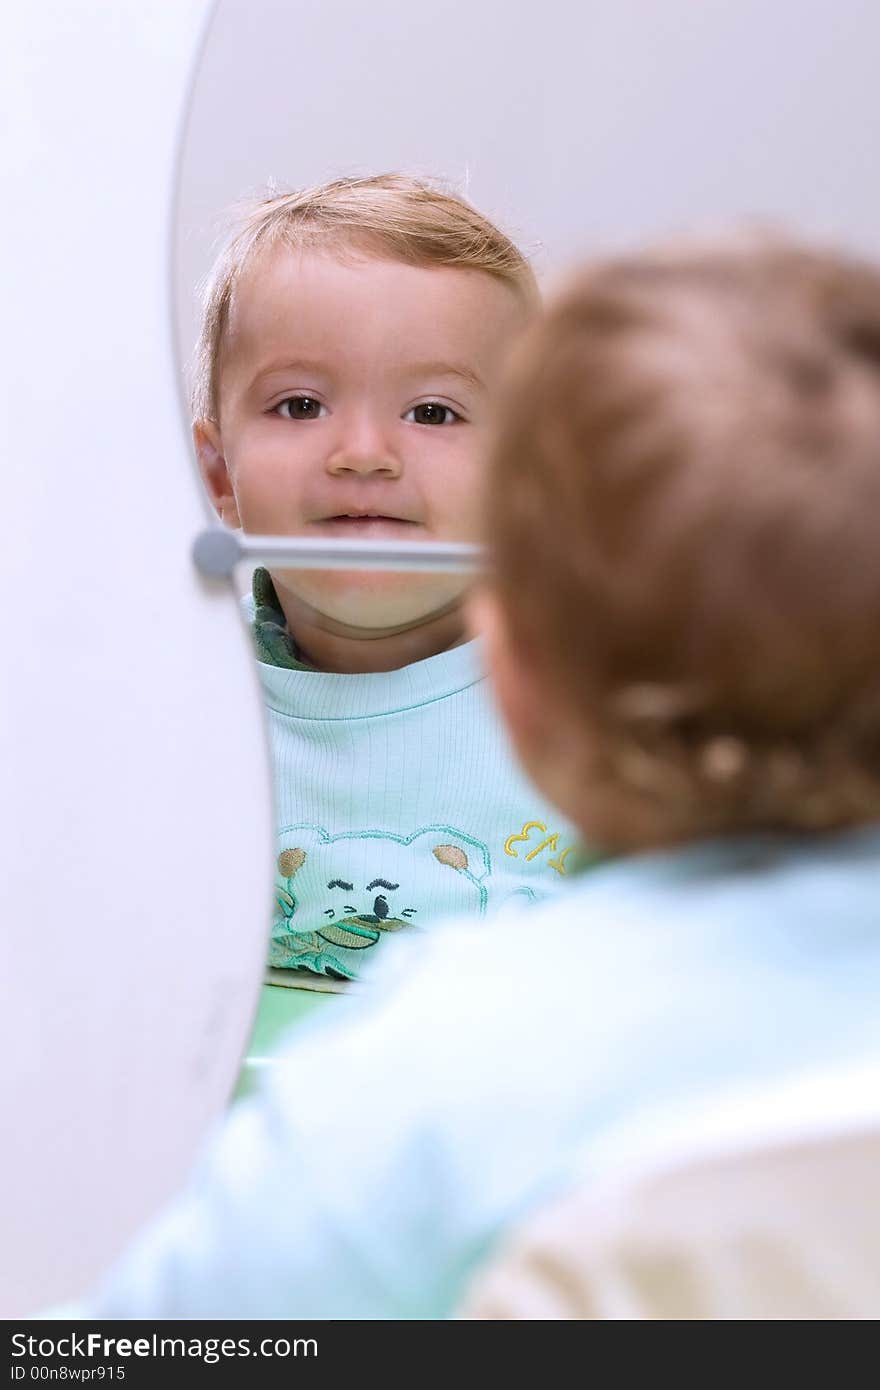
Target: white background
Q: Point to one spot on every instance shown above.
(577, 125)
(134, 794)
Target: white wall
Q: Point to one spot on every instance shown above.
(577, 125)
(135, 828)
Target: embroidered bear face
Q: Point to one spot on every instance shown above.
(339, 895)
(356, 913)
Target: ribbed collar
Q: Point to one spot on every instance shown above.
(298, 690)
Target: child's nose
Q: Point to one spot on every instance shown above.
(363, 449)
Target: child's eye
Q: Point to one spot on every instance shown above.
(432, 413)
(300, 408)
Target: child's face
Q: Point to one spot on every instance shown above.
(354, 403)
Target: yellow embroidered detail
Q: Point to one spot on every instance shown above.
(523, 835)
(559, 864)
(551, 842)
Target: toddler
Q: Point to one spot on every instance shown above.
(351, 334)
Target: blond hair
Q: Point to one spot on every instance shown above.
(389, 215)
(685, 495)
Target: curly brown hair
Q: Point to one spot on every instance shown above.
(685, 534)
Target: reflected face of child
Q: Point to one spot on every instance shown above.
(354, 402)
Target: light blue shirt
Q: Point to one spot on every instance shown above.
(398, 801)
(405, 1130)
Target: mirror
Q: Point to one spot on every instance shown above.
(397, 800)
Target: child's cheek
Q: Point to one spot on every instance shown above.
(457, 502)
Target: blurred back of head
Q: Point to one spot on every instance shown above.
(684, 508)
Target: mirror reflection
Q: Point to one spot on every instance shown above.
(351, 335)
(347, 354)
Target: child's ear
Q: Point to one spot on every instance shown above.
(511, 683)
(529, 710)
(552, 739)
(215, 473)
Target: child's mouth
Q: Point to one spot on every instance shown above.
(365, 524)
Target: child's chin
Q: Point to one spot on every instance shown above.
(376, 599)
